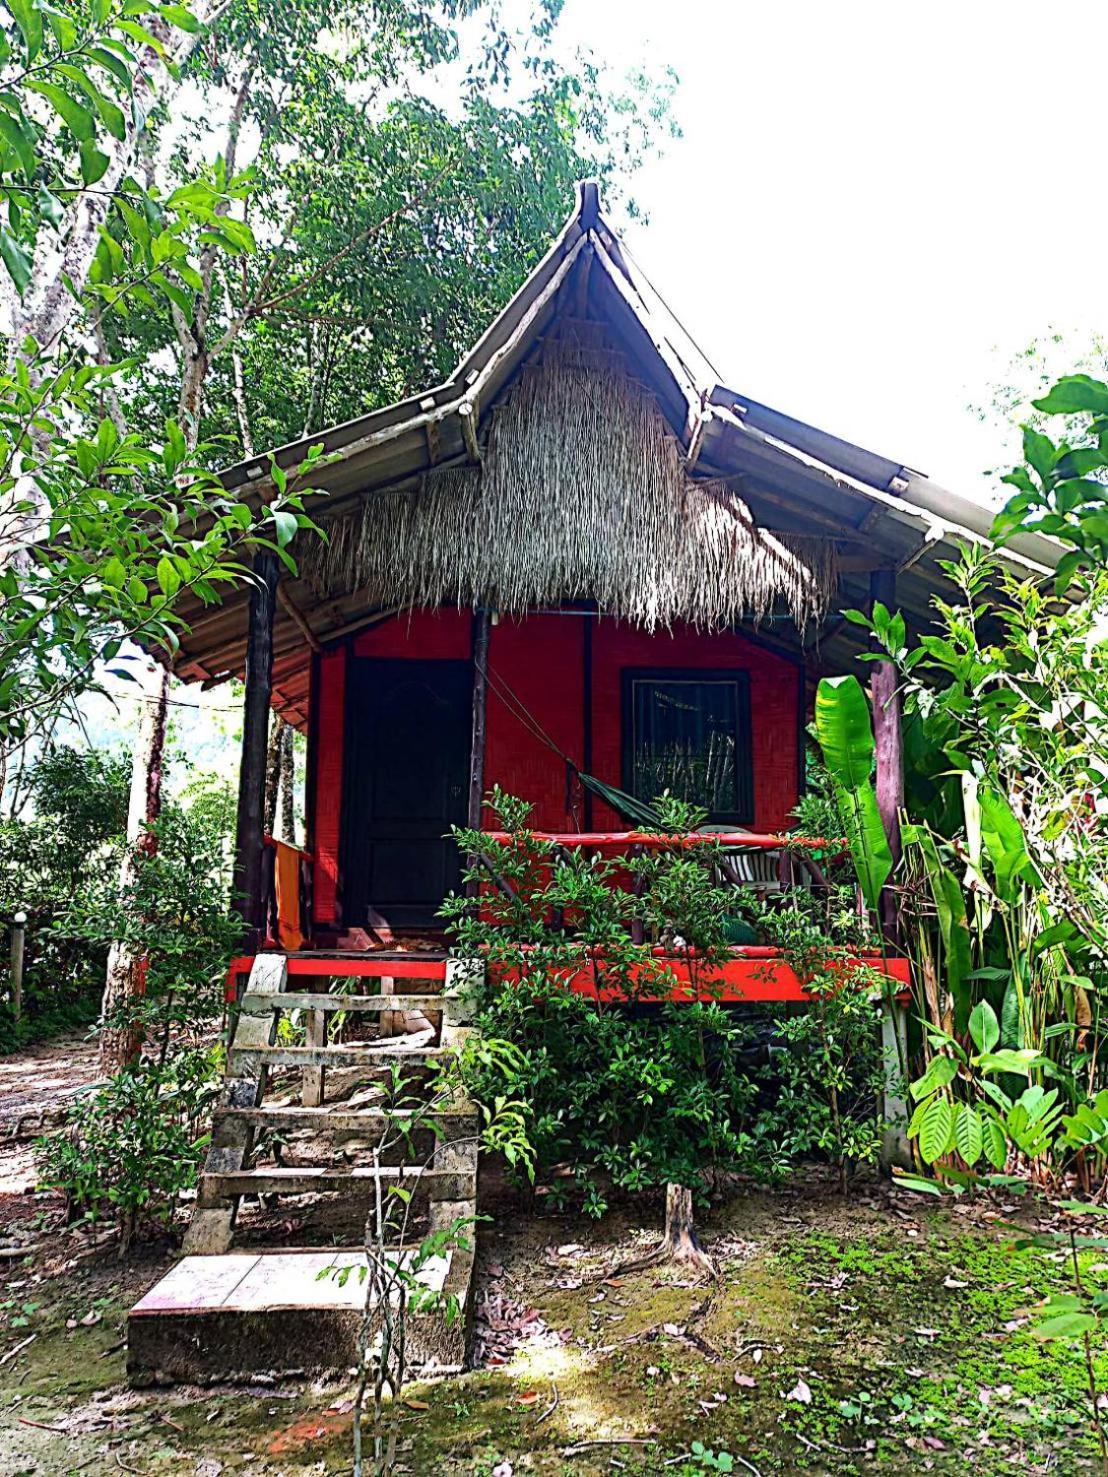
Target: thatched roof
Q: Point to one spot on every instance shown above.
(772, 508)
(582, 493)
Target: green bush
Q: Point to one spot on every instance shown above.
(630, 1095)
(132, 1146)
(67, 835)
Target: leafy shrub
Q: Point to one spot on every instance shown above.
(133, 1145)
(67, 834)
(633, 1094)
(177, 914)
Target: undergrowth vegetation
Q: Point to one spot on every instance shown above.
(634, 1082)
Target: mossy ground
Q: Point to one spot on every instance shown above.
(871, 1334)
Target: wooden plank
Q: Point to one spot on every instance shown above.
(378, 1059)
(446, 1184)
(367, 968)
(212, 1228)
(196, 1282)
(343, 1120)
(311, 1000)
(312, 1083)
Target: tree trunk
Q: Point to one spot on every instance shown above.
(125, 983)
(680, 1242)
(272, 775)
(288, 777)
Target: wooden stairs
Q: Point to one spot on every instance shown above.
(361, 1124)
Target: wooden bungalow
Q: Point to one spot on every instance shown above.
(579, 553)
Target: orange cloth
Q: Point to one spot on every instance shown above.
(287, 877)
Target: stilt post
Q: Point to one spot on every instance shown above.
(248, 887)
(481, 624)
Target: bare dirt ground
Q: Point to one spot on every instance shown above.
(876, 1333)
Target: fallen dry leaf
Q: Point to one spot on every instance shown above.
(747, 1381)
(529, 1398)
(417, 1404)
(800, 1392)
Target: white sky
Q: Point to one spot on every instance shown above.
(874, 205)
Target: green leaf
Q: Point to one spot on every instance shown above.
(79, 121)
(994, 1142)
(28, 17)
(936, 1132)
(1075, 393)
(968, 1134)
(1065, 1326)
(115, 574)
(917, 1183)
(1039, 450)
(984, 1026)
(169, 581)
(19, 140)
(181, 17)
(110, 114)
(844, 730)
(94, 163)
(16, 260)
(1005, 844)
(845, 736)
(941, 1072)
(1021, 1062)
(286, 526)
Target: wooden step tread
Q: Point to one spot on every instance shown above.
(374, 1058)
(341, 1120)
(326, 1000)
(449, 1184)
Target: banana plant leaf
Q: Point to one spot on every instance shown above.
(950, 909)
(846, 738)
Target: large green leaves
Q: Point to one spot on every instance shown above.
(950, 909)
(845, 737)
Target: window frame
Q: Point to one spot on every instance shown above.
(739, 677)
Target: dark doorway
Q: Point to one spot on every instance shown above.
(406, 769)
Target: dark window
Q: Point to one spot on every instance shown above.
(688, 732)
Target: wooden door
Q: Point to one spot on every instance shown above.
(405, 784)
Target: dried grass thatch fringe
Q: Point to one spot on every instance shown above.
(582, 494)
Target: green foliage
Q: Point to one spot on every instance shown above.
(633, 1089)
(133, 1145)
(176, 915)
(842, 727)
(1059, 489)
(121, 521)
(72, 812)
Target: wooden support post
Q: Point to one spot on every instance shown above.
(481, 623)
(586, 734)
(19, 934)
(248, 884)
(212, 1227)
(888, 742)
(312, 1085)
(456, 1151)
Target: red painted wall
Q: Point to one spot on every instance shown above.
(327, 825)
(774, 695)
(541, 661)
